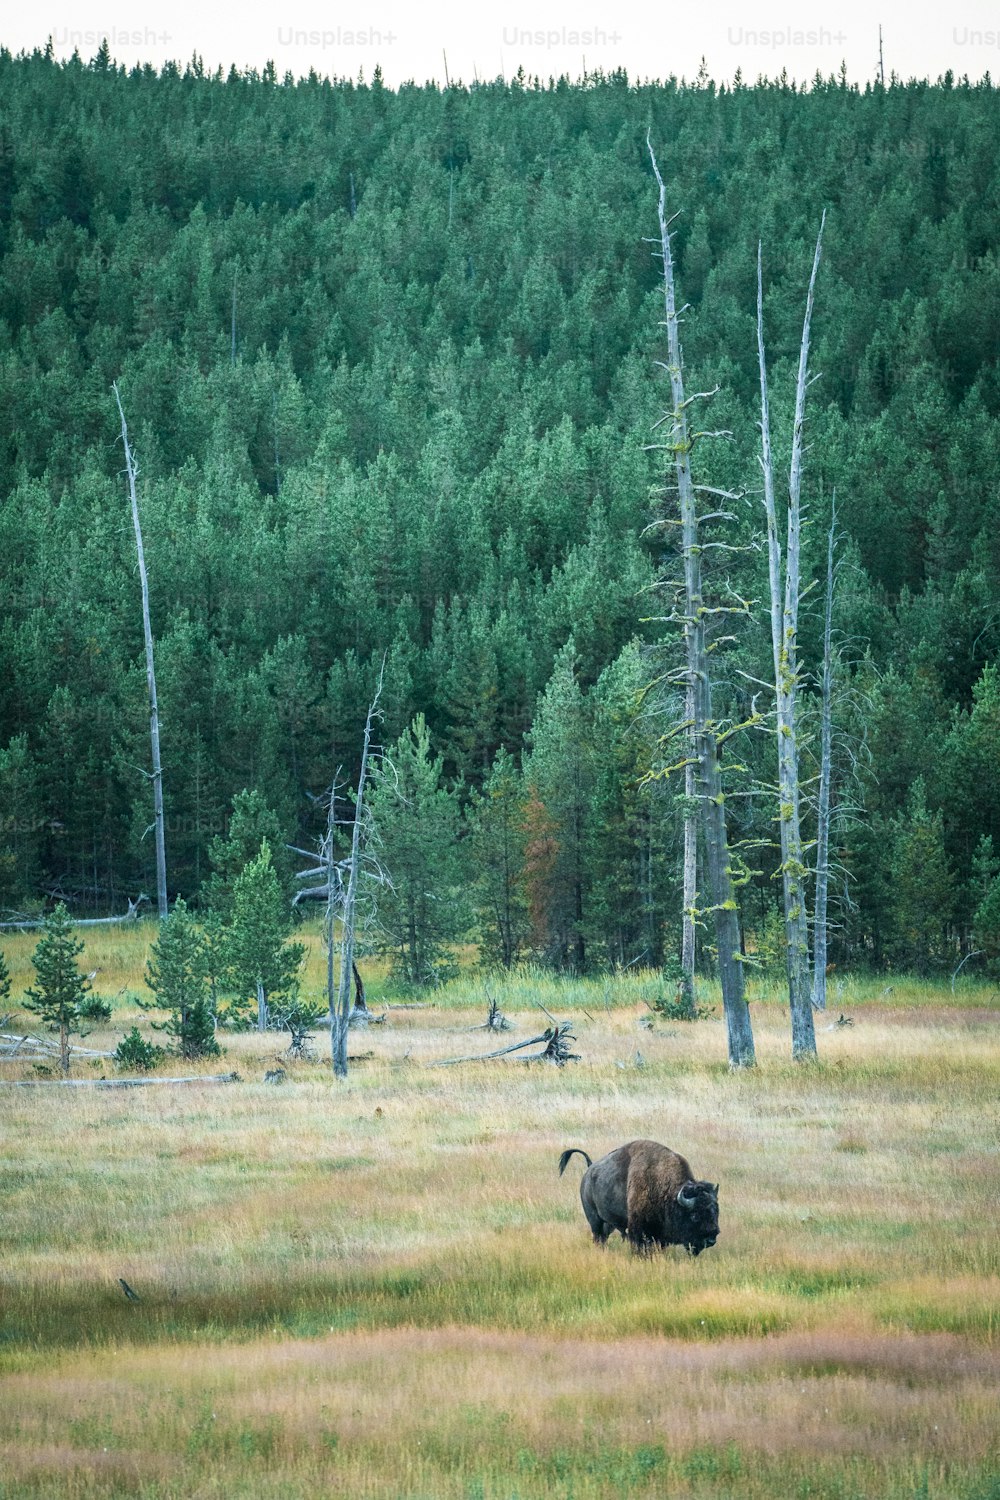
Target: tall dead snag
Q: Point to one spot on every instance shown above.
(340, 1002)
(784, 645)
(704, 738)
(690, 888)
(825, 771)
(154, 718)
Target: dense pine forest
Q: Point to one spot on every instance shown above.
(388, 360)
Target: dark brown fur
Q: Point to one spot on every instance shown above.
(650, 1196)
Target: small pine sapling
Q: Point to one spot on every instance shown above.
(177, 975)
(137, 1054)
(61, 995)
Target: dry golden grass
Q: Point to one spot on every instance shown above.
(383, 1288)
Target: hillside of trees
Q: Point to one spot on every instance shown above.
(388, 360)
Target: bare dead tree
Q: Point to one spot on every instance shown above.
(690, 886)
(340, 1002)
(704, 739)
(154, 718)
(825, 775)
(784, 644)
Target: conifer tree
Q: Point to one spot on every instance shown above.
(922, 883)
(177, 975)
(497, 843)
(561, 767)
(262, 963)
(416, 818)
(61, 995)
(250, 822)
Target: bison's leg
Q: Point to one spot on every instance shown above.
(600, 1228)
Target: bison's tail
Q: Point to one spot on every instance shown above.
(573, 1151)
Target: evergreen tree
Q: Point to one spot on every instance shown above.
(416, 820)
(176, 973)
(61, 995)
(984, 892)
(250, 823)
(497, 858)
(21, 823)
(262, 963)
(561, 770)
(922, 896)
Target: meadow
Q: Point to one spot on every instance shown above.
(382, 1288)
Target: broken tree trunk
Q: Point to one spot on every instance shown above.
(360, 1014)
(704, 739)
(495, 1018)
(154, 719)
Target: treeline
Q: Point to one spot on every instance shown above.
(388, 362)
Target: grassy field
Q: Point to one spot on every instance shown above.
(382, 1288)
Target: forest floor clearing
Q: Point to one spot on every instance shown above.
(383, 1288)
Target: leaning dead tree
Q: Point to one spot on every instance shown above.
(825, 776)
(786, 594)
(154, 718)
(704, 736)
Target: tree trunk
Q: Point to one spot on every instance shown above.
(823, 814)
(690, 896)
(64, 1048)
(261, 1007)
(784, 646)
(704, 740)
(154, 719)
(340, 1016)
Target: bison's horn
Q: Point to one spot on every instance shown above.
(687, 1195)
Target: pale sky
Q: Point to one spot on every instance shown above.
(556, 36)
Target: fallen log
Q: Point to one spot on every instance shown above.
(11, 1046)
(35, 922)
(555, 1050)
(117, 1083)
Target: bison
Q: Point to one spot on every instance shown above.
(649, 1195)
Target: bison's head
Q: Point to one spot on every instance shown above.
(698, 1209)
